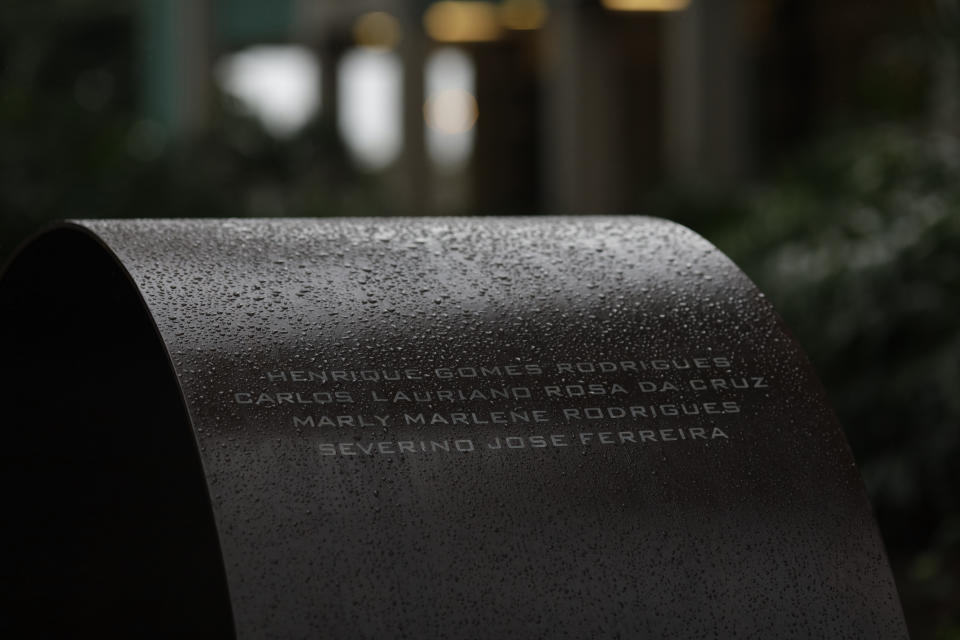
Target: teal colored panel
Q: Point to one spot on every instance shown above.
(156, 53)
(238, 22)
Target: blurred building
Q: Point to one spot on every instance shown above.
(519, 105)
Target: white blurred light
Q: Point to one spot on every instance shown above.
(369, 106)
(280, 85)
(450, 108)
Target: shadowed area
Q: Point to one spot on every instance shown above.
(108, 526)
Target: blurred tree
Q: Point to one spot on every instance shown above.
(74, 146)
(857, 243)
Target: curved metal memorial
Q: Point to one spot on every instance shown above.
(523, 427)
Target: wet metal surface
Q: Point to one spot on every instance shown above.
(540, 427)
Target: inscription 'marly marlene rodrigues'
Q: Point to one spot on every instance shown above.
(519, 416)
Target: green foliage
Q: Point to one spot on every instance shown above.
(74, 147)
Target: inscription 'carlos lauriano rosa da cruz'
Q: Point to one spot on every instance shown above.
(588, 427)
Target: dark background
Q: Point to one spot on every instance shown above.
(815, 142)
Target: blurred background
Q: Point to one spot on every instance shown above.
(815, 142)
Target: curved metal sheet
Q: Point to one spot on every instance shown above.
(523, 427)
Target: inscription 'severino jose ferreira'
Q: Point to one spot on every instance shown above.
(521, 442)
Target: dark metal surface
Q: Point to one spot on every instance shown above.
(548, 427)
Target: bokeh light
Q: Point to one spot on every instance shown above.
(280, 85)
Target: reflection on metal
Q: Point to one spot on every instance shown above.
(457, 428)
(523, 15)
(462, 21)
(645, 5)
(377, 29)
